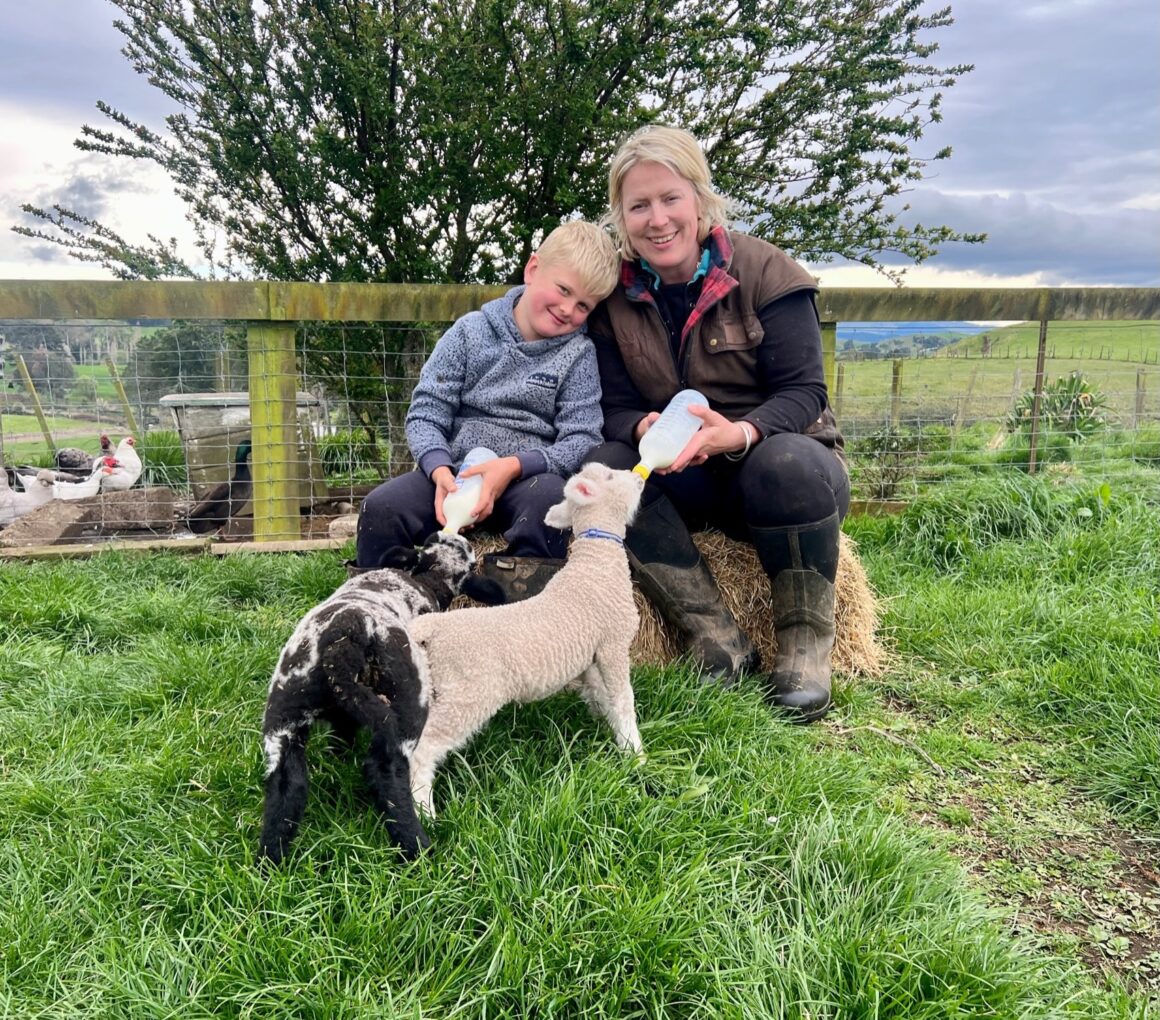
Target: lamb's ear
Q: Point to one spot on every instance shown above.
(559, 516)
(401, 557)
(484, 589)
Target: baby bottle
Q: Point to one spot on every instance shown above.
(458, 505)
(664, 441)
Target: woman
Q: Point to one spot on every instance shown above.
(702, 306)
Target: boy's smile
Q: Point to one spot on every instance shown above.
(554, 302)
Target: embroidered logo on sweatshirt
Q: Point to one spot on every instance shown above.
(545, 380)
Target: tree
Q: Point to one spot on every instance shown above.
(401, 141)
(186, 358)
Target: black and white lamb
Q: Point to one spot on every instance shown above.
(574, 635)
(350, 661)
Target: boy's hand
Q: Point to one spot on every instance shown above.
(444, 479)
(497, 474)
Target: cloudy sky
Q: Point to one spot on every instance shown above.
(1056, 138)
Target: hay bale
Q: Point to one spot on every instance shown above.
(745, 590)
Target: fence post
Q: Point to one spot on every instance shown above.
(1037, 397)
(829, 354)
(35, 397)
(130, 421)
(964, 400)
(839, 385)
(896, 393)
(1140, 384)
(274, 430)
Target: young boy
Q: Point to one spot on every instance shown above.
(518, 377)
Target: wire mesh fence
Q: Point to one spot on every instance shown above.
(916, 409)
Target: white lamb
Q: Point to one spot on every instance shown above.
(574, 635)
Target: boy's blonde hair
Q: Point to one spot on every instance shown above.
(586, 248)
(676, 150)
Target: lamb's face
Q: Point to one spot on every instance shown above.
(445, 561)
(618, 492)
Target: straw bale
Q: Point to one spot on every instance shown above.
(745, 589)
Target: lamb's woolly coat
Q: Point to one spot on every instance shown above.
(350, 661)
(575, 634)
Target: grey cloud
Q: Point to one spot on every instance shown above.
(1064, 102)
(1118, 247)
(63, 55)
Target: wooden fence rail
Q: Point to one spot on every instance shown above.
(271, 310)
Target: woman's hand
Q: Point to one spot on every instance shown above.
(717, 435)
(644, 425)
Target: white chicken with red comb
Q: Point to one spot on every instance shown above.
(124, 467)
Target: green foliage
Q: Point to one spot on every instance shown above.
(162, 459)
(1034, 604)
(84, 392)
(52, 372)
(950, 524)
(1069, 407)
(186, 358)
(351, 453)
(439, 141)
(884, 459)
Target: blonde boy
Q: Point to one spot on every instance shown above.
(520, 378)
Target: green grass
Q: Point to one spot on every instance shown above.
(958, 381)
(899, 860)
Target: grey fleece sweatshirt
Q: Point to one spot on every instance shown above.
(484, 385)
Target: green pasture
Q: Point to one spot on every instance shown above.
(959, 383)
(24, 442)
(106, 390)
(969, 835)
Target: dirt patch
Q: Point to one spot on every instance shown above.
(1065, 869)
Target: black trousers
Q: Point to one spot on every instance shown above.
(401, 512)
(787, 480)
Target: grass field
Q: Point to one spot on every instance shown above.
(959, 382)
(973, 835)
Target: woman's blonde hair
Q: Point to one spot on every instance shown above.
(678, 151)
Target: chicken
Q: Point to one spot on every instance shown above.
(70, 460)
(124, 466)
(78, 490)
(17, 504)
(226, 499)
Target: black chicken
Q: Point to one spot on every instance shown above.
(73, 461)
(226, 499)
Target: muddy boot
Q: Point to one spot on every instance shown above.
(520, 577)
(671, 573)
(798, 560)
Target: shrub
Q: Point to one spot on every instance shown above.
(885, 458)
(351, 452)
(162, 459)
(1068, 406)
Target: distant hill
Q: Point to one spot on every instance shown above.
(876, 332)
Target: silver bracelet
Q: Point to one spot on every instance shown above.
(740, 454)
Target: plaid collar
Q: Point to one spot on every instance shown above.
(637, 279)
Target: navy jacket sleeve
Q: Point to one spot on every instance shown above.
(789, 365)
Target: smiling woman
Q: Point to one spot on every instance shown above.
(704, 307)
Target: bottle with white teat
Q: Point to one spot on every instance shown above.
(669, 434)
(458, 505)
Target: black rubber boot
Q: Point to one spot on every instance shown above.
(802, 563)
(675, 578)
(520, 577)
